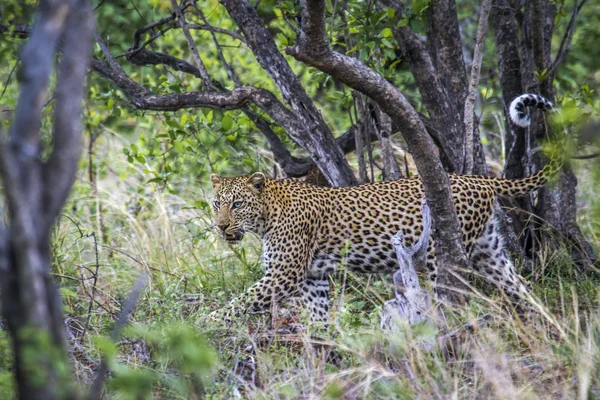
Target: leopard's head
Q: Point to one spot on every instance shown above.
(238, 205)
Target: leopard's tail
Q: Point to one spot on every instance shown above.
(519, 116)
(517, 112)
(520, 187)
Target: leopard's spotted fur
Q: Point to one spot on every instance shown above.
(307, 230)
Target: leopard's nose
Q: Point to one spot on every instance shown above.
(223, 226)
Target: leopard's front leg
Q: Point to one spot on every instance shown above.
(286, 272)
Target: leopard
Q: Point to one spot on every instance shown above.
(308, 231)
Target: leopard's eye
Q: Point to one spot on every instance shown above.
(217, 204)
(236, 204)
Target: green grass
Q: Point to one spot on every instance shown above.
(168, 351)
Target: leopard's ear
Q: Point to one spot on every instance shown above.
(256, 181)
(215, 179)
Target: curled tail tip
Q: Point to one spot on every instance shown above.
(519, 118)
(517, 112)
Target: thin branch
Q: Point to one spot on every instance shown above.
(473, 85)
(586, 156)
(8, 79)
(94, 283)
(127, 309)
(565, 44)
(134, 50)
(106, 51)
(216, 29)
(145, 57)
(287, 21)
(192, 45)
(232, 76)
(18, 30)
(139, 32)
(137, 47)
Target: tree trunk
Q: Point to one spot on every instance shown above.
(556, 205)
(35, 192)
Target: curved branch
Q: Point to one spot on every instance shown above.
(313, 49)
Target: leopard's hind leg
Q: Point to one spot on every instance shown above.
(490, 260)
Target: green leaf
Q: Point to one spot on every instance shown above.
(403, 22)
(226, 123)
(173, 124)
(418, 6)
(106, 346)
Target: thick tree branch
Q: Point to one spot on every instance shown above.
(313, 49)
(509, 67)
(38, 54)
(316, 136)
(118, 77)
(292, 166)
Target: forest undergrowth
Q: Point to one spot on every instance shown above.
(116, 228)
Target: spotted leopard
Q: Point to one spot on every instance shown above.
(307, 231)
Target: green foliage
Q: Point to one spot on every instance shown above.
(7, 383)
(182, 362)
